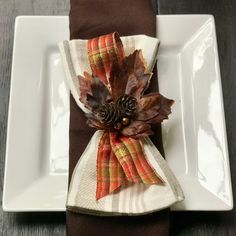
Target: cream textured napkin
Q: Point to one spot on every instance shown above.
(134, 199)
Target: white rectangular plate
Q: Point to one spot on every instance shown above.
(36, 170)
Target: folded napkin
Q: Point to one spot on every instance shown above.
(89, 19)
(132, 199)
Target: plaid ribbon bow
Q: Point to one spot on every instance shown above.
(120, 159)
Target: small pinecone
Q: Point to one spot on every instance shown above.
(107, 114)
(126, 106)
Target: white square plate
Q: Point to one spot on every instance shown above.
(36, 170)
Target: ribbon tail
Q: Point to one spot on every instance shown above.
(132, 158)
(110, 175)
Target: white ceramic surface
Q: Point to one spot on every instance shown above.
(194, 136)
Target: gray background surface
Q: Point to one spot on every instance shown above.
(182, 223)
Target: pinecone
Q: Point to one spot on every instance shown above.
(126, 106)
(117, 114)
(107, 114)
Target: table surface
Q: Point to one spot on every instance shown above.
(182, 223)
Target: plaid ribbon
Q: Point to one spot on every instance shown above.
(102, 51)
(110, 175)
(120, 159)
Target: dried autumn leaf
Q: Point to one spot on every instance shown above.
(85, 87)
(137, 129)
(95, 123)
(135, 62)
(154, 108)
(129, 77)
(149, 100)
(118, 80)
(163, 112)
(137, 85)
(99, 91)
(92, 91)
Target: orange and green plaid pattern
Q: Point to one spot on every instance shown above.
(110, 175)
(130, 154)
(102, 51)
(120, 159)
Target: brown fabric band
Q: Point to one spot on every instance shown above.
(89, 19)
